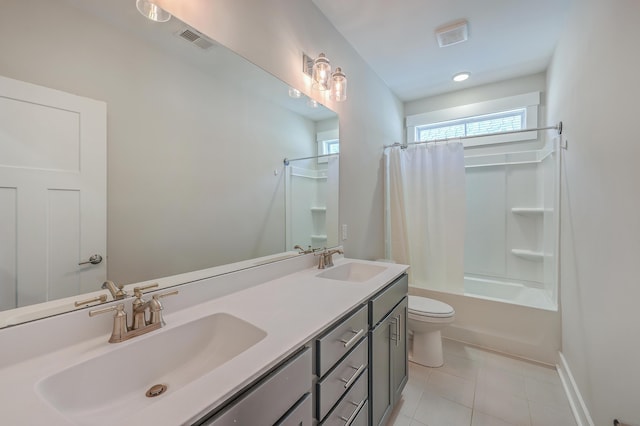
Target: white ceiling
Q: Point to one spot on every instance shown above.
(507, 39)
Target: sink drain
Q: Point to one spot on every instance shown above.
(156, 390)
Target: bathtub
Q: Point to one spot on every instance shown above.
(506, 317)
(508, 292)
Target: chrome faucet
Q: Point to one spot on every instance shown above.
(116, 290)
(326, 257)
(140, 325)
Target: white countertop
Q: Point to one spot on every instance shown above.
(291, 309)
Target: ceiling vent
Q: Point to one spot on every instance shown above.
(194, 37)
(451, 34)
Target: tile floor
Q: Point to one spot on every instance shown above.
(476, 387)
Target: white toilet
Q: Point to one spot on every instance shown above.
(426, 318)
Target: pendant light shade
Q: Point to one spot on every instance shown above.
(151, 11)
(338, 86)
(321, 73)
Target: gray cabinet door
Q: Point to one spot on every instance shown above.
(398, 343)
(381, 398)
(271, 398)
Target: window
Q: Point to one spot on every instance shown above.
(473, 126)
(517, 112)
(328, 143)
(331, 146)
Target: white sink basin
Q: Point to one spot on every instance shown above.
(111, 386)
(354, 272)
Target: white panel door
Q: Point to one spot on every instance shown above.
(52, 192)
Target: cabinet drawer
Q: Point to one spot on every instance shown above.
(334, 344)
(300, 415)
(362, 419)
(351, 406)
(271, 398)
(331, 388)
(381, 304)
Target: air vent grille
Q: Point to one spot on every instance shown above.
(452, 34)
(194, 37)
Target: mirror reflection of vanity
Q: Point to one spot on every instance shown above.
(196, 138)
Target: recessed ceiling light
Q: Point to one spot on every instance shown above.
(461, 76)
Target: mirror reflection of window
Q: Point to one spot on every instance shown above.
(328, 143)
(331, 146)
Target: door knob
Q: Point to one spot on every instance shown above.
(94, 260)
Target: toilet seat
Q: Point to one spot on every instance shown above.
(429, 308)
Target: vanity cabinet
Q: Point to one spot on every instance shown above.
(299, 415)
(352, 373)
(342, 357)
(398, 342)
(352, 409)
(280, 398)
(387, 349)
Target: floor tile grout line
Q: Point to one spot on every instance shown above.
(519, 369)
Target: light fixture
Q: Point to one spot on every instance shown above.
(321, 75)
(461, 76)
(152, 11)
(322, 78)
(294, 93)
(338, 86)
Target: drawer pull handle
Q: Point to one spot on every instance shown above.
(354, 339)
(348, 382)
(353, 415)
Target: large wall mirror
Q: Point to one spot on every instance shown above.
(195, 142)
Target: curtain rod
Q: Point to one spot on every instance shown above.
(287, 160)
(557, 127)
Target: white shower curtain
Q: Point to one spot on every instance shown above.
(425, 213)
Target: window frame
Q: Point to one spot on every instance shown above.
(529, 101)
(324, 139)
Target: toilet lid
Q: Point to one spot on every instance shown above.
(429, 307)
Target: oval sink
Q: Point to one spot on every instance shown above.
(354, 272)
(107, 388)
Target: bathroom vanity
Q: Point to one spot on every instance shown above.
(291, 345)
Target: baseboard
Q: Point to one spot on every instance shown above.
(578, 407)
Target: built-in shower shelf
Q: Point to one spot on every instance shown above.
(536, 256)
(319, 237)
(528, 211)
(318, 209)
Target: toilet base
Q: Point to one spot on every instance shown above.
(427, 349)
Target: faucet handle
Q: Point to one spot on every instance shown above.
(137, 291)
(119, 321)
(102, 299)
(107, 309)
(155, 307)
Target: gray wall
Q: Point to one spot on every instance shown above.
(191, 157)
(593, 89)
(274, 34)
